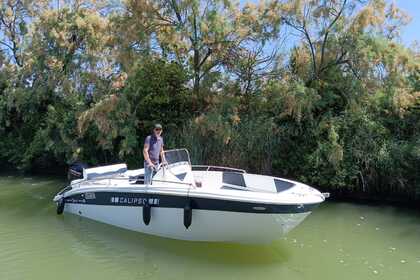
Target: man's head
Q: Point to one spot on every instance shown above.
(157, 130)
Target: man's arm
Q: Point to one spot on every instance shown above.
(162, 155)
(146, 153)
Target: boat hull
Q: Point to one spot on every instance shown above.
(206, 225)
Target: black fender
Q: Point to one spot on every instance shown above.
(188, 214)
(60, 206)
(147, 212)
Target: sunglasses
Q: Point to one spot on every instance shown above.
(158, 129)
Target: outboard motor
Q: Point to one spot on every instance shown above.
(76, 171)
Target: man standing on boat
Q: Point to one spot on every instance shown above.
(153, 148)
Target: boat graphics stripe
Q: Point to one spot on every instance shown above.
(171, 201)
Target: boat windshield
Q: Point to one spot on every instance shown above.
(177, 156)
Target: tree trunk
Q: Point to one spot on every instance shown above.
(196, 67)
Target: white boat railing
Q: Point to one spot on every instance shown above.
(109, 179)
(217, 168)
(182, 155)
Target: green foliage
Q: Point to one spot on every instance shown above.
(155, 92)
(339, 110)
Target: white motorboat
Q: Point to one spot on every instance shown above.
(197, 203)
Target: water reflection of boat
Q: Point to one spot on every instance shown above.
(199, 203)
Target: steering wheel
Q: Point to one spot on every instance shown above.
(156, 168)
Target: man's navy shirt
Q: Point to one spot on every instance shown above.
(155, 146)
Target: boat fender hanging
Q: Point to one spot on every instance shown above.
(187, 214)
(146, 212)
(60, 206)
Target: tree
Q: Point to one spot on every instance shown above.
(156, 92)
(331, 30)
(201, 35)
(15, 16)
(69, 51)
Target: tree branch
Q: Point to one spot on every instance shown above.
(327, 31)
(311, 45)
(209, 51)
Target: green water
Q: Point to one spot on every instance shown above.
(338, 241)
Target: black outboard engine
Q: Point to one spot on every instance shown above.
(76, 170)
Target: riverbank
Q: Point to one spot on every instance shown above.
(376, 200)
